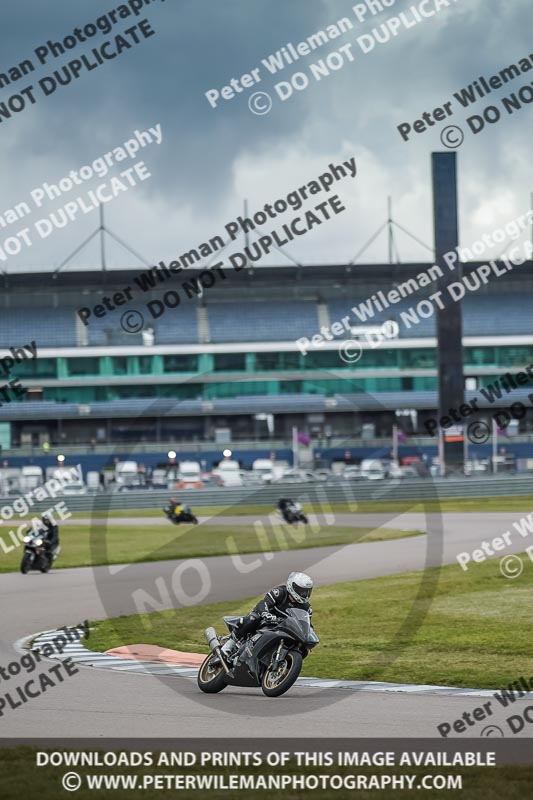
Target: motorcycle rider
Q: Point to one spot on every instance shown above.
(295, 593)
(174, 508)
(50, 534)
(284, 506)
(284, 503)
(289, 509)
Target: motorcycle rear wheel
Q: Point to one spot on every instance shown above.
(211, 678)
(274, 684)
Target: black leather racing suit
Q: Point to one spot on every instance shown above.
(50, 535)
(284, 503)
(275, 602)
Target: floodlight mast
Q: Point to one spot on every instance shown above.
(101, 231)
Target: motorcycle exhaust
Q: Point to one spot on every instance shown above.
(212, 638)
(214, 644)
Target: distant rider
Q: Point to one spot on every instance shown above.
(50, 534)
(295, 593)
(284, 505)
(174, 508)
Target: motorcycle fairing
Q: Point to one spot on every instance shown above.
(232, 622)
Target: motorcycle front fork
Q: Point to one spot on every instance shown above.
(277, 654)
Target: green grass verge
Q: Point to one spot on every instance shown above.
(476, 632)
(83, 546)
(507, 503)
(19, 777)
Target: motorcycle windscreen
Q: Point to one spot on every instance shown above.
(297, 623)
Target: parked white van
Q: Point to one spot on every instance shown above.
(127, 473)
(229, 472)
(372, 469)
(269, 470)
(30, 478)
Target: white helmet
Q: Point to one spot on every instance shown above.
(299, 587)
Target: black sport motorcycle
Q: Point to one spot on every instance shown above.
(293, 513)
(183, 516)
(35, 554)
(270, 658)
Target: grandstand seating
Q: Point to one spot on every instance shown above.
(49, 327)
(176, 326)
(260, 322)
(504, 314)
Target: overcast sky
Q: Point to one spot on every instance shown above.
(210, 160)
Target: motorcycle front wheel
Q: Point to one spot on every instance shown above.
(194, 520)
(26, 564)
(211, 677)
(276, 683)
(304, 519)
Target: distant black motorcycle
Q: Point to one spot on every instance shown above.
(36, 555)
(270, 658)
(292, 513)
(185, 515)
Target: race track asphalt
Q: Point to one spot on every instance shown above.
(98, 703)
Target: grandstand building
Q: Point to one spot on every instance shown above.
(225, 358)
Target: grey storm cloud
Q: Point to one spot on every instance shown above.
(210, 159)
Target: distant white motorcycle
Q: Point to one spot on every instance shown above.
(35, 554)
(293, 513)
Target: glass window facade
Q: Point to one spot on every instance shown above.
(230, 362)
(79, 367)
(36, 368)
(180, 363)
(336, 376)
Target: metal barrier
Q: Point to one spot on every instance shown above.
(321, 493)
